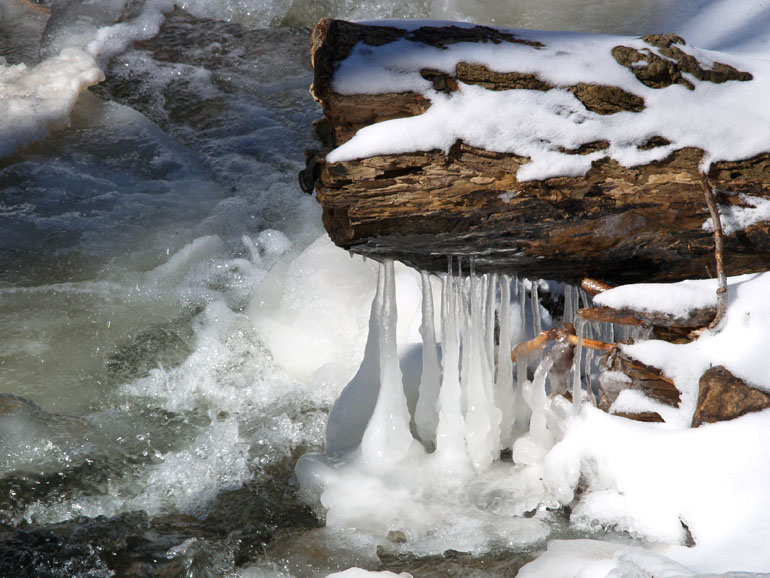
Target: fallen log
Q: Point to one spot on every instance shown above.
(630, 217)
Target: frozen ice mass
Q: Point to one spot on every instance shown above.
(194, 381)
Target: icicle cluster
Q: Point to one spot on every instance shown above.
(469, 407)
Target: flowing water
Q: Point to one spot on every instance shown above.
(174, 326)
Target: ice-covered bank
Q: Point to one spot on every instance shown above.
(503, 458)
(693, 499)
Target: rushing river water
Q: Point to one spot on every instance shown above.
(173, 325)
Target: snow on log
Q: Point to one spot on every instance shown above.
(551, 155)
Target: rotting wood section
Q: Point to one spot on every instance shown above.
(618, 224)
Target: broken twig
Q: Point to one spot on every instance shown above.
(718, 254)
(526, 348)
(594, 286)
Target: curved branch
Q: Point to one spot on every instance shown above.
(718, 254)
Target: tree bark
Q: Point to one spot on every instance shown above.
(617, 224)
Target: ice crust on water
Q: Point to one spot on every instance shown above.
(77, 42)
(35, 99)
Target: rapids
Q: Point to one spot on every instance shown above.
(175, 328)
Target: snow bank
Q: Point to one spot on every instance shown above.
(658, 484)
(741, 345)
(729, 121)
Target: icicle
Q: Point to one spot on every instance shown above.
(520, 408)
(464, 300)
(577, 390)
(532, 447)
(482, 417)
(387, 438)
(523, 309)
(426, 416)
(352, 411)
(569, 311)
(538, 397)
(535, 309)
(587, 372)
(489, 324)
(504, 383)
(450, 432)
(585, 298)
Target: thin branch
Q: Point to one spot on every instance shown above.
(719, 251)
(527, 348)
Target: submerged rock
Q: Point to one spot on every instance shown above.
(80, 547)
(31, 439)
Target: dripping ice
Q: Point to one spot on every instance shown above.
(474, 441)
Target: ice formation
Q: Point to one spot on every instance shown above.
(427, 482)
(388, 469)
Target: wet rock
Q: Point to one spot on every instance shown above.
(81, 547)
(397, 536)
(723, 397)
(160, 345)
(453, 563)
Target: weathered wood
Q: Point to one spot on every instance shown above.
(696, 319)
(647, 379)
(617, 224)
